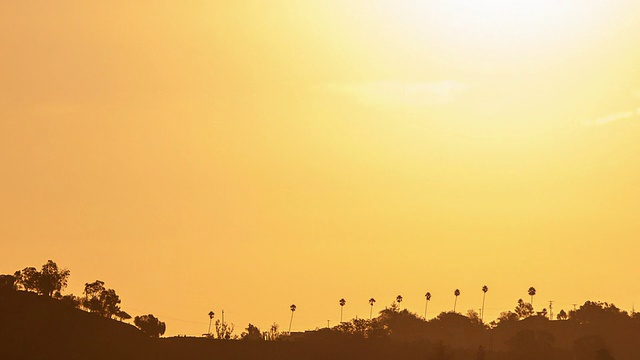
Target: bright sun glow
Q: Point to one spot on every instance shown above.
(494, 22)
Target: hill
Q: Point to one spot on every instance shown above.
(38, 327)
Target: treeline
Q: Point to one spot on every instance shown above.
(592, 331)
(50, 281)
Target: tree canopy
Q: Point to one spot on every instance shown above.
(46, 281)
(252, 333)
(150, 325)
(101, 300)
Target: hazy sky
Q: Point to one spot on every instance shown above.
(250, 155)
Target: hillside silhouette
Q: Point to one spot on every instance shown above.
(38, 327)
(38, 322)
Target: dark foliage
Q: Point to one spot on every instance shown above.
(7, 283)
(252, 333)
(46, 281)
(38, 327)
(100, 300)
(51, 326)
(150, 325)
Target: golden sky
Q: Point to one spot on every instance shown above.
(247, 155)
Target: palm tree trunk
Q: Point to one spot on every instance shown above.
(425, 309)
(371, 312)
(290, 322)
(341, 308)
(454, 304)
(482, 313)
(209, 331)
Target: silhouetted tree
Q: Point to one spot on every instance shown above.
(542, 313)
(456, 293)
(273, 333)
(252, 333)
(27, 278)
(453, 328)
(474, 317)
(371, 302)
(505, 317)
(52, 279)
(391, 308)
(93, 289)
(484, 295)
(224, 330)
(523, 310)
(427, 297)
(293, 309)
(46, 282)
(397, 324)
(562, 315)
(211, 314)
(356, 328)
(101, 300)
(342, 302)
(399, 299)
(110, 302)
(532, 293)
(150, 325)
(599, 313)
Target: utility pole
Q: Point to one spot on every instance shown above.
(327, 324)
(550, 309)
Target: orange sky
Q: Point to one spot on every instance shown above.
(250, 155)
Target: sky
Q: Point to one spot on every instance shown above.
(249, 155)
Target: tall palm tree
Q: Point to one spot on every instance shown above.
(456, 293)
(293, 309)
(531, 292)
(371, 302)
(211, 313)
(484, 290)
(399, 300)
(342, 302)
(427, 296)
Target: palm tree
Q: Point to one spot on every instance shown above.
(293, 309)
(399, 300)
(428, 297)
(531, 292)
(371, 302)
(211, 313)
(484, 290)
(456, 293)
(342, 302)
